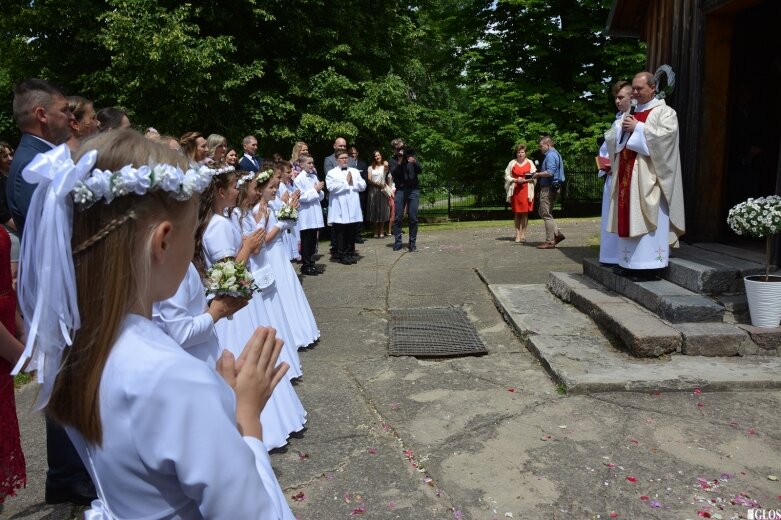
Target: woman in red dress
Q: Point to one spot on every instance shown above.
(519, 185)
(12, 468)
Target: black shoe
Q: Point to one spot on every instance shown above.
(413, 248)
(352, 259)
(80, 493)
(345, 260)
(309, 271)
(397, 246)
(320, 270)
(359, 240)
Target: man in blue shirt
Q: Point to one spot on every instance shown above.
(551, 178)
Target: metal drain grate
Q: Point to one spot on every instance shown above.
(433, 333)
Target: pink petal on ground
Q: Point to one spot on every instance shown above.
(361, 509)
(697, 391)
(457, 514)
(300, 497)
(644, 498)
(408, 453)
(634, 441)
(512, 390)
(700, 405)
(372, 451)
(391, 505)
(303, 456)
(633, 480)
(613, 514)
(328, 475)
(655, 504)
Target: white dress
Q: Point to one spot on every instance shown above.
(184, 318)
(171, 449)
(269, 296)
(293, 238)
(297, 309)
(284, 413)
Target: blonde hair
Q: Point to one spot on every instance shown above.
(108, 240)
(297, 151)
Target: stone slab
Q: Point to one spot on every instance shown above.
(769, 340)
(708, 271)
(755, 256)
(713, 339)
(583, 361)
(662, 297)
(642, 333)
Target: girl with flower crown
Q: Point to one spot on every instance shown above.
(243, 218)
(217, 238)
(296, 306)
(161, 433)
(287, 193)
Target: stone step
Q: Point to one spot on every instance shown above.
(577, 356)
(708, 272)
(638, 330)
(666, 299)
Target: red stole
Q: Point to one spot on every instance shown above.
(626, 163)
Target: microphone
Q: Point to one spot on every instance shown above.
(632, 107)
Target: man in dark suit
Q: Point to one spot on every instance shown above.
(249, 162)
(362, 167)
(42, 114)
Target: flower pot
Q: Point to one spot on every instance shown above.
(764, 300)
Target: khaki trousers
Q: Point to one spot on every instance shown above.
(547, 200)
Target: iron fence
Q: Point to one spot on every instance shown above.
(582, 194)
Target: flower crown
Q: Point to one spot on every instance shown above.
(245, 179)
(106, 185)
(264, 176)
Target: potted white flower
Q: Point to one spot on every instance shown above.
(760, 218)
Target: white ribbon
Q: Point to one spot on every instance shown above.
(47, 279)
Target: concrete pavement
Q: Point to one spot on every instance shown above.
(485, 437)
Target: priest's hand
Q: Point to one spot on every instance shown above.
(629, 124)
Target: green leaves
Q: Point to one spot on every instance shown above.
(461, 80)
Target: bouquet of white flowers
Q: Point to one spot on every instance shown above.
(287, 212)
(758, 218)
(230, 278)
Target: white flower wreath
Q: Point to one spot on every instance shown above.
(106, 185)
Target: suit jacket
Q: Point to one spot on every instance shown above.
(247, 165)
(19, 191)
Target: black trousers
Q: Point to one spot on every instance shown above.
(65, 466)
(345, 239)
(308, 247)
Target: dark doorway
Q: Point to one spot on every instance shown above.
(754, 131)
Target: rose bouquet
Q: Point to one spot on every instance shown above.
(758, 218)
(230, 278)
(287, 212)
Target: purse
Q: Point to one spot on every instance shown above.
(264, 276)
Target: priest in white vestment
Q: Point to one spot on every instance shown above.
(646, 203)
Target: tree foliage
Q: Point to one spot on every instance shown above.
(461, 80)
